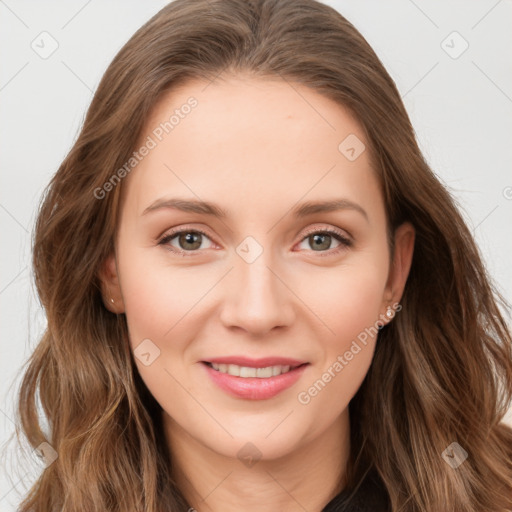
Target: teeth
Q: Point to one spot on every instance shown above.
(264, 372)
(233, 369)
(247, 371)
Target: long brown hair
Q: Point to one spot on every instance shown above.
(442, 370)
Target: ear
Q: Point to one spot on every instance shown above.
(110, 287)
(400, 264)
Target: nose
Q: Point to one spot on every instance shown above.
(256, 299)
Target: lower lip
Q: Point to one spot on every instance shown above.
(255, 388)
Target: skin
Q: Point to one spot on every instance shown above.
(256, 148)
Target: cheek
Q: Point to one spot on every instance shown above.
(349, 306)
(347, 298)
(161, 305)
(158, 297)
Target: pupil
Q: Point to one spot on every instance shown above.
(190, 240)
(317, 241)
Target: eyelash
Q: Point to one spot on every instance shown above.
(345, 242)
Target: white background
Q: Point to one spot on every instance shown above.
(460, 107)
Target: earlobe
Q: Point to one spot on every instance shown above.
(110, 286)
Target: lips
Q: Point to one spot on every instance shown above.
(254, 379)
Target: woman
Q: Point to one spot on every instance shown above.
(258, 293)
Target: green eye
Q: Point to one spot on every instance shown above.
(321, 241)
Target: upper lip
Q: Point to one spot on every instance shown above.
(256, 363)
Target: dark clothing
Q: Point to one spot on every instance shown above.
(371, 496)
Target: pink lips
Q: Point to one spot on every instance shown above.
(255, 388)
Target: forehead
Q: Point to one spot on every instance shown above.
(250, 143)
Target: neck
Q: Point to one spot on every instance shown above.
(305, 479)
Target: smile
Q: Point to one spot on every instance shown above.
(247, 371)
(251, 383)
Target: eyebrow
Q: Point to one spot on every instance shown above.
(207, 208)
(187, 205)
(312, 207)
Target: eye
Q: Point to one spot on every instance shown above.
(322, 240)
(186, 240)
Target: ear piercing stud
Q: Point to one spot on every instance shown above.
(389, 312)
(112, 300)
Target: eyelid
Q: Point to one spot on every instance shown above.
(179, 229)
(328, 229)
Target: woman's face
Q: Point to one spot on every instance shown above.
(252, 235)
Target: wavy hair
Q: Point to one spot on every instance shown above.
(442, 370)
